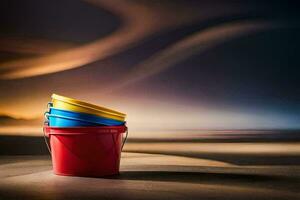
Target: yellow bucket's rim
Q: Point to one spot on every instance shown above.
(74, 108)
(87, 105)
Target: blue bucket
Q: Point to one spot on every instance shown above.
(65, 118)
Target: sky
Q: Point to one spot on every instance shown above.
(169, 65)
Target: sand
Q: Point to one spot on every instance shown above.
(153, 176)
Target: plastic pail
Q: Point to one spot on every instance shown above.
(86, 151)
(65, 103)
(64, 118)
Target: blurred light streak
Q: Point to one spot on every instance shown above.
(138, 22)
(32, 46)
(21, 130)
(194, 44)
(217, 148)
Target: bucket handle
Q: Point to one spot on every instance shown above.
(49, 105)
(46, 115)
(45, 138)
(46, 122)
(124, 140)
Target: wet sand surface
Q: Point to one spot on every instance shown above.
(166, 171)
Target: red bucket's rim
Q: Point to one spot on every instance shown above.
(50, 130)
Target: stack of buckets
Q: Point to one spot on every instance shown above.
(85, 139)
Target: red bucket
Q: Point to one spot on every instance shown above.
(86, 151)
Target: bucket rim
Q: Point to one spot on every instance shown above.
(89, 122)
(71, 118)
(86, 115)
(87, 105)
(50, 130)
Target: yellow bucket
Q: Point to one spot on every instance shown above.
(65, 103)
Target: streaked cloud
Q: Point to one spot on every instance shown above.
(137, 22)
(196, 43)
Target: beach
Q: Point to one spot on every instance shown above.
(160, 169)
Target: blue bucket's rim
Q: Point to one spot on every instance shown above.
(84, 119)
(85, 114)
(71, 118)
